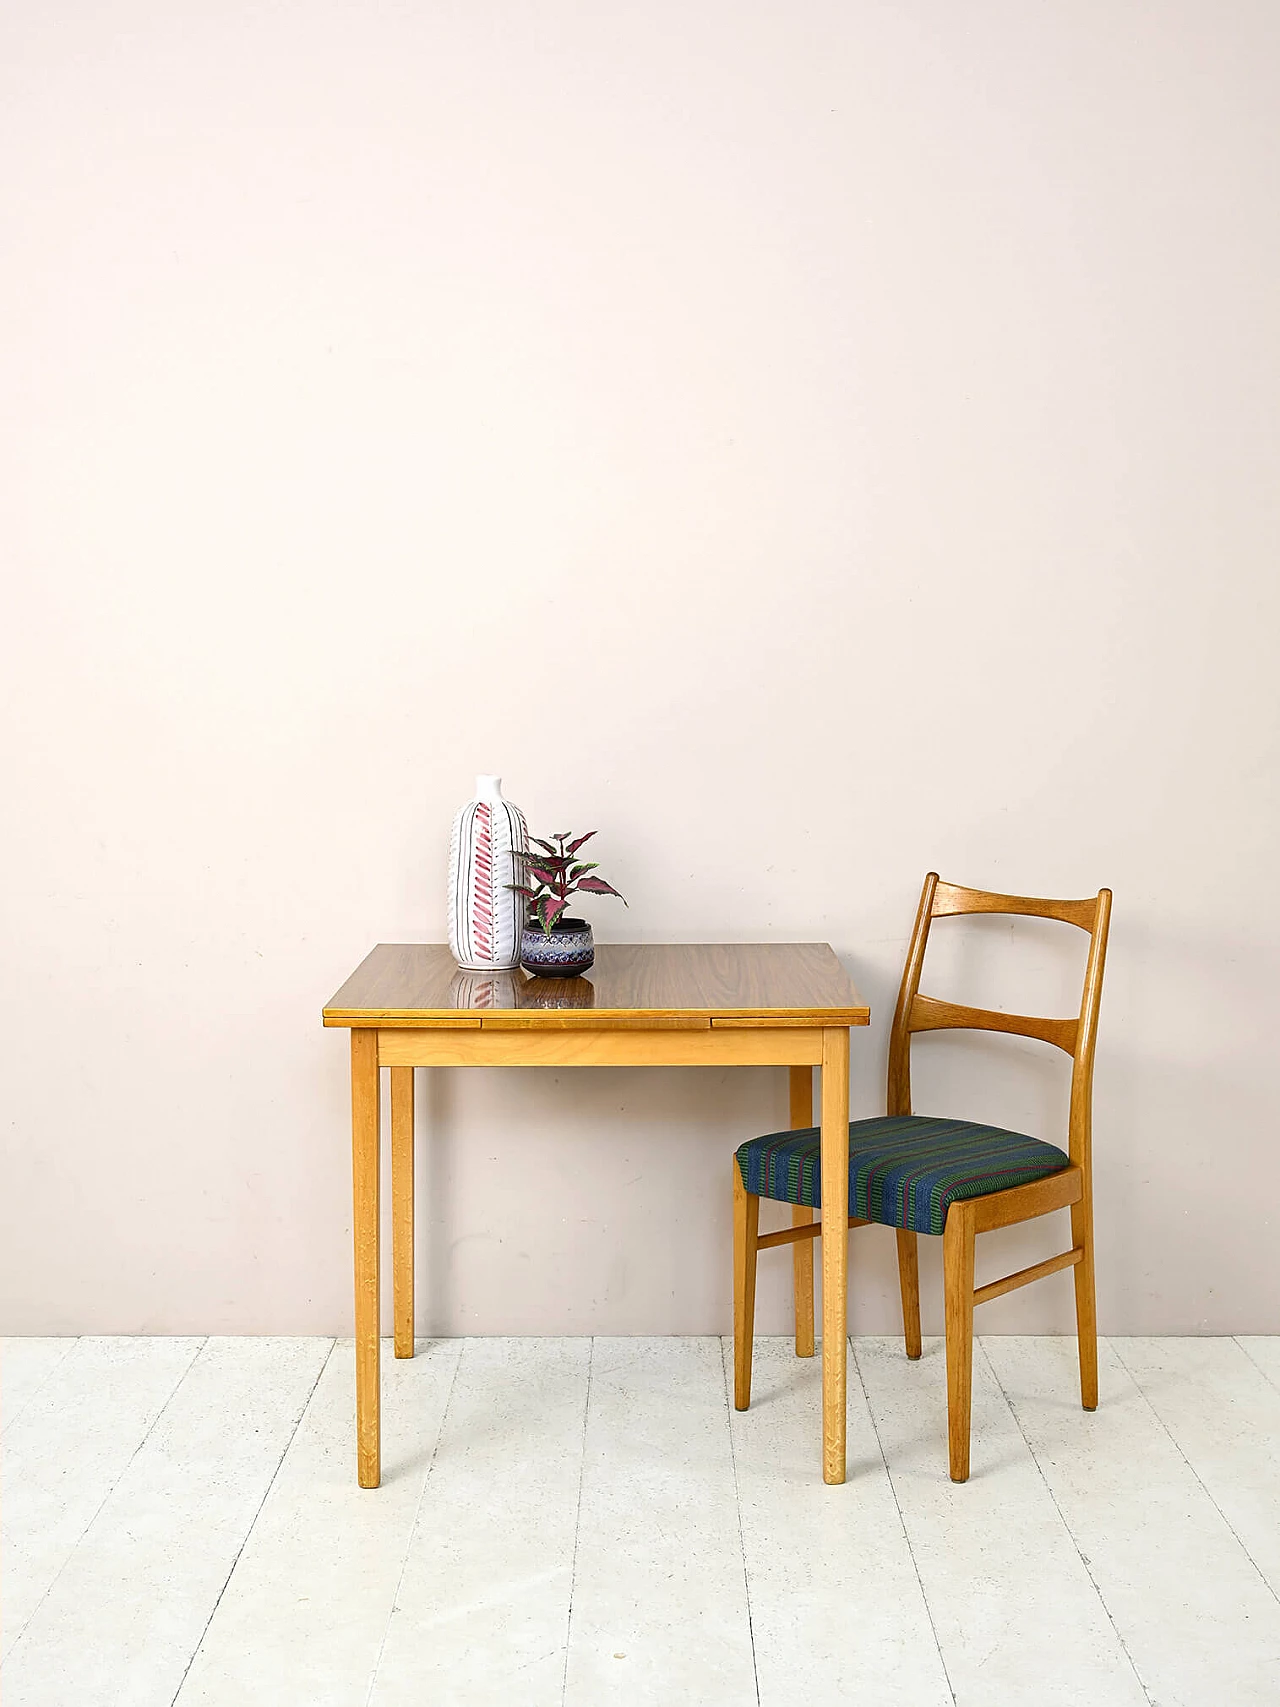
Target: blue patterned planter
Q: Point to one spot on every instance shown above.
(569, 949)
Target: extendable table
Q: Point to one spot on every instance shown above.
(408, 1005)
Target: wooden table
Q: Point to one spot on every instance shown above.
(680, 1005)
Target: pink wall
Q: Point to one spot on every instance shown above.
(809, 442)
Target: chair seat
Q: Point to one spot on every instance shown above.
(904, 1170)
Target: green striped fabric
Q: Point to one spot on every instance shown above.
(904, 1170)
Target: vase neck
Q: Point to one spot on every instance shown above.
(489, 789)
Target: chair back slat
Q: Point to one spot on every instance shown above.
(1077, 1037)
(950, 899)
(928, 1014)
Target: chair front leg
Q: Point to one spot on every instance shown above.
(909, 1283)
(746, 1231)
(957, 1263)
(801, 1088)
(1086, 1305)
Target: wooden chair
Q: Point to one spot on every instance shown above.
(950, 1177)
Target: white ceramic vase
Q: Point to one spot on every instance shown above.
(485, 918)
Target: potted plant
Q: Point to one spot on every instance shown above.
(553, 945)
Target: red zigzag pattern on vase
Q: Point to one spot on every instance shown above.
(483, 896)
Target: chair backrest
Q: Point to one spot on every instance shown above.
(1076, 1036)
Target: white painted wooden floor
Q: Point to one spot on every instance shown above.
(589, 1522)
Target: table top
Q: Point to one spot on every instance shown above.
(637, 985)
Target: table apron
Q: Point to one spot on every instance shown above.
(791, 1046)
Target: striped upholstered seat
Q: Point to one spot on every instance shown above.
(904, 1170)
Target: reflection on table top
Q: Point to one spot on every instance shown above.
(640, 984)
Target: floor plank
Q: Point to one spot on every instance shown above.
(482, 1610)
(303, 1616)
(68, 1449)
(710, 1564)
(1201, 1624)
(135, 1595)
(1224, 1417)
(25, 1364)
(659, 1596)
(1017, 1617)
(1263, 1350)
(837, 1613)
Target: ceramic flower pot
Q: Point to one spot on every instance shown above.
(485, 918)
(569, 950)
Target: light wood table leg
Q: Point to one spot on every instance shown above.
(365, 1173)
(402, 1208)
(801, 1215)
(835, 1247)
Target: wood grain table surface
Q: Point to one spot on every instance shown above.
(638, 985)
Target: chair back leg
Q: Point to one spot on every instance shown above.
(802, 1274)
(1086, 1306)
(909, 1283)
(746, 1231)
(957, 1264)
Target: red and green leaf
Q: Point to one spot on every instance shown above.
(547, 910)
(598, 886)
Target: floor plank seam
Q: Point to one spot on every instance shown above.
(577, 1523)
(902, 1522)
(38, 1388)
(253, 1523)
(1200, 1482)
(1062, 1518)
(98, 1510)
(413, 1527)
(737, 1506)
(1265, 1373)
